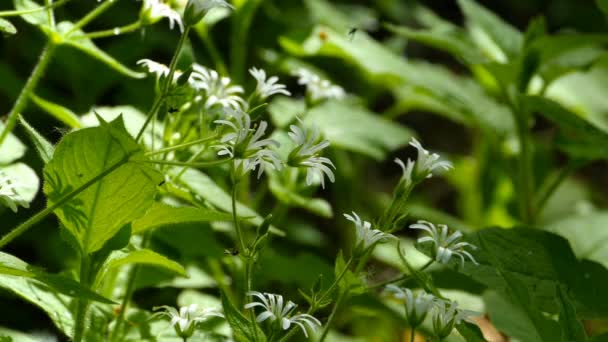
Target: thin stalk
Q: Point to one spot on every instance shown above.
(332, 316)
(83, 303)
(336, 281)
(49, 12)
(220, 66)
(197, 165)
(549, 190)
(161, 97)
(113, 32)
(180, 146)
(28, 89)
(241, 22)
(14, 13)
(525, 174)
(92, 15)
(413, 335)
(42, 214)
(237, 226)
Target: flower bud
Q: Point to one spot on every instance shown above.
(197, 9)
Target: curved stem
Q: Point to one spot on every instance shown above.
(92, 15)
(332, 316)
(241, 22)
(180, 146)
(193, 164)
(49, 12)
(237, 227)
(15, 13)
(81, 310)
(113, 32)
(337, 280)
(30, 86)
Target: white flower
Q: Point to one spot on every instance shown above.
(267, 87)
(158, 69)
(365, 235)
(244, 144)
(9, 194)
(416, 307)
(218, 90)
(276, 309)
(444, 245)
(317, 87)
(446, 315)
(423, 167)
(306, 154)
(185, 320)
(154, 10)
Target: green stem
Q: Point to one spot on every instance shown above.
(337, 280)
(113, 32)
(332, 316)
(92, 15)
(42, 214)
(241, 22)
(413, 335)
(15, 13)
(165, 89)
(49, 12)
(180, 146)
(28, 89)
(83, 303)
(237, 227)
(193, 164)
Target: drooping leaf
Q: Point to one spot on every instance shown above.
(44, 148)
(77, 40)
(6, 27)
(96, 214)
(59, 112)
(160, 215)
(243, 329)
(38, 18)
(142, 257)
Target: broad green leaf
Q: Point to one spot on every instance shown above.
(7, 335)
(38, 18)
(204, 186)
(59, 112)
(579, 137)
(87, 46)
(495, 37)
(355, 128)
(470, 332)
(142, 257)
(539, 261)
(243, 330)
(11, 149)
(160, 215)
(44, 148)
(96, 214)
(11, 265)
(587, 235)
(25, 179)
(6, 27)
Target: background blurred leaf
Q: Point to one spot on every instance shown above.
(164, 215)
(6, 27)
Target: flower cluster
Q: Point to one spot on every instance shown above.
(365, 235)
(246, 146)
(444, 245)
(184, 321)
(445, 314)
(9, 194)
(423, 167)
(218, 90)
(318, 88)
(306, 154)
(267, 87)
(276, 309)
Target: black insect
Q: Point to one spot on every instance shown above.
(231, 251)
(351, 33)
(173, 110)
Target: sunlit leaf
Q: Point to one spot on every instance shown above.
(44, 148)
(160, 215)
(59, 112)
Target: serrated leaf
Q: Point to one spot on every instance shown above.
(142, 257)
(86, 45)
(38, 18)
(354, 128)
(6, 27)
(44, 148)
(59, 112)
(243, 329)
(160, 215)
(97, 213)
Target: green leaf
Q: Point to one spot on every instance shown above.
(27, 182)
(572, 328)
(6, 27)
(316, 206)
(284, 110)
(38, 18)
(470, 332)
(86, 45)
(59, 112)
(204, 186)
(602, 5)
(538, 261)
(160, 215)
(44, 148)
(96, 214)
(490, 32)
(587, 235)
(142, 257)
(11, 149)
(354, 128)
(243, 329)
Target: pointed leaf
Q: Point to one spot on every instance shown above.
(571, 327)
(59, 112)
(124, 194)
(44, 148)
(6, 27)
(38, 18)
(243, 329)
(142, 257)
(162, 215)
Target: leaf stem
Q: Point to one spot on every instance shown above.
(189, 164)
(28, 89)
(42, 214)
(83, 303)
(237, 226)
(112, 32)
(92, 15)
(14, 13)
(332, 316)
(180, 146)
(412, 335)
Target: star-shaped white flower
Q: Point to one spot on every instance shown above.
(266, 87)
(185, 320)
(318, 88)
(365, 235)
(154, 10)
(307, 154)
(416, 306)
(218, 90)
(444, 245)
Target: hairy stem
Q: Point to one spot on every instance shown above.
(28, 89)
(113, 32)
(92, 15)
(14, 13)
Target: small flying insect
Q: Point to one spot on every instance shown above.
(173, 110)
(351, 33)
(231, 251)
